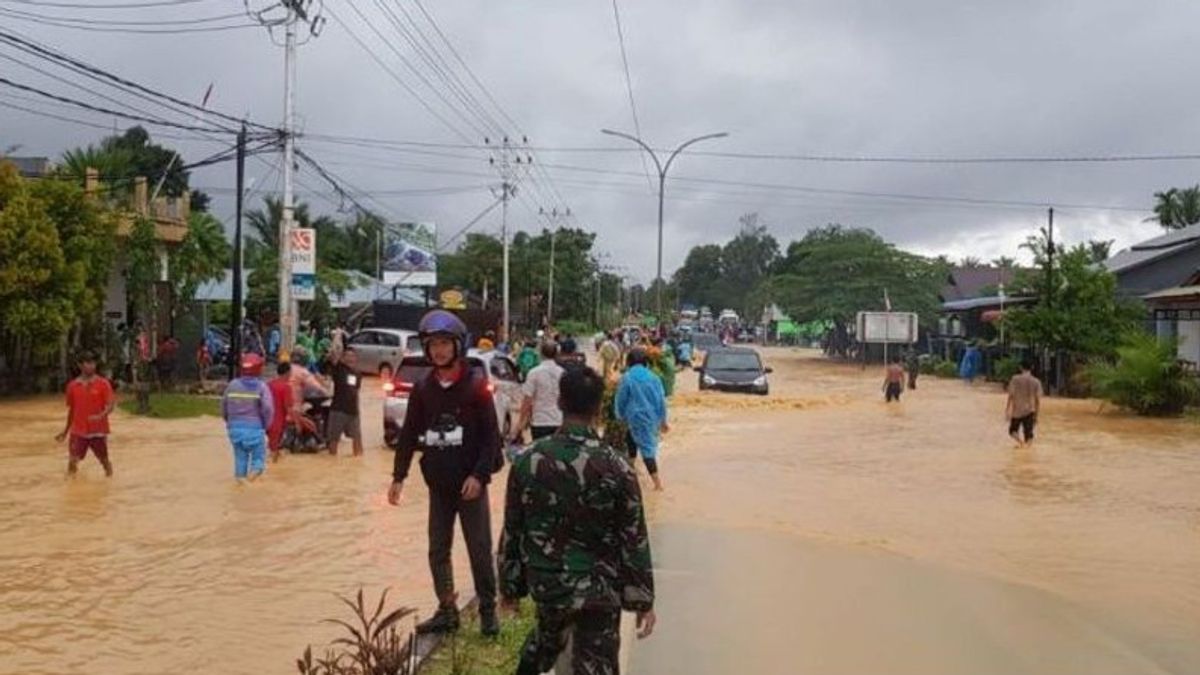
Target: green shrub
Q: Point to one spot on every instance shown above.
(1146, 378)
(1005, 368)
(946, 369)
(579, 329)
(928, 365)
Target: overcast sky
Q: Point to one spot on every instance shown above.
(977, 79)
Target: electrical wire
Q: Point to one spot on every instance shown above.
(637, 125)
(98, 27)
(78, 5)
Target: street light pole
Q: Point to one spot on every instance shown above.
(662, 182)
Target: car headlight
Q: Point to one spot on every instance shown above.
(760, 381)
(708, 379)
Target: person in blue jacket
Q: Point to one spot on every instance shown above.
(971, 364)
(247, 409)
(641, 403)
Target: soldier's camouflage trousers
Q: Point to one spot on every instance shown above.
(595, 641)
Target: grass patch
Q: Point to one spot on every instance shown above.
(469, 653)
(176, 406)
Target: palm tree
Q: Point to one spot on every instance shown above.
(1004, 262)
(1177, 208)
(1100, 249)
(970, 262)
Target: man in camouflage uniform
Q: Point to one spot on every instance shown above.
(575, 539)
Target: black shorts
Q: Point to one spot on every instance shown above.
(537, 431)
(1026, 423)
(893, 391)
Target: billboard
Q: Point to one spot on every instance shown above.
(304, 263)
(889, 327)
(409, 254)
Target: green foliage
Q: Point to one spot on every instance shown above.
(35, 282)
(731, 276)
(1079, 294)
(176, 406)
(119, 159)
(835, 272)
(947, 369)
(1176, 208)
(373, 645)
(143, 268)
(202, 256)
(1146, 377)
(1005, 368)
(469, 653)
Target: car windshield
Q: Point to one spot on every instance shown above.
(706, 340)
(733, 361)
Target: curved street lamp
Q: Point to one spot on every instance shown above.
(662, 181)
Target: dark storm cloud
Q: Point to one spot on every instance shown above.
(854, 78)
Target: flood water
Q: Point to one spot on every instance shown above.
(170, 566)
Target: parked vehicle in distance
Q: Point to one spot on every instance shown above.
(734, 369)
(745, 336)
(500, 373)
(702, 343)
(381, 349)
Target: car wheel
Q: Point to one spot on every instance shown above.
(385, 372)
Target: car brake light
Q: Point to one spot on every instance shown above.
(398, 388)
(389, 387)
(491, 387)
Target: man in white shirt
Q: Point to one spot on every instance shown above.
(540, 408)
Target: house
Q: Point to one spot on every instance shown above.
(170, 218)
(31, 167)
(966, 283)
(1176, 313)
(1164, 262)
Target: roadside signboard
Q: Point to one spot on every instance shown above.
(304, 263)
(409, 256)
(887, 327)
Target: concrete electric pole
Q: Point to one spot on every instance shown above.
(511, 164)
(553, 216)
(287, 14)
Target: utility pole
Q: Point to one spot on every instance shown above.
(1050, 260)
(662, 183)
(508, 161)
(235, 320)
(553, 216)
(287, 14)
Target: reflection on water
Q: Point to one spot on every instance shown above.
(1104, 509)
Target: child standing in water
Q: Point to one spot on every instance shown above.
(893, 381)
(90, 400)
(248, 410)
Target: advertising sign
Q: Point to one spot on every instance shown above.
(452, 298)
(410, 254)
(304, 263)
(888, 327)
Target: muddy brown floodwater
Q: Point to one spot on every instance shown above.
(824, 487)
(170, 567)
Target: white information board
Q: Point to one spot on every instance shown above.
(887, 327)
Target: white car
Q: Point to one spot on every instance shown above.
(381, 349)
(502, 380)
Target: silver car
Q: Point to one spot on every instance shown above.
(502, 380)
(381, 349)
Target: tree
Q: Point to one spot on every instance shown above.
(747, 259)
(835, 272)
(970, 262)
(1176, 208)
(1099, 250)
(1004, 262)
(1076, 293)
(121, 158)
(699, 279)
(202, 256)
(1146, 377)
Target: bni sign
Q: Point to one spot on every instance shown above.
(304, 263)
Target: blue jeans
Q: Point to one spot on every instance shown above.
(249, 451)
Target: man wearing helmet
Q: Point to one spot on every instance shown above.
(451, 420)
(248, 408)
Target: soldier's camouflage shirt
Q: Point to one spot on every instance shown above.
(574, 530)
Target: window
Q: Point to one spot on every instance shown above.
(388, 339)
(413, 344)
(364, 338)
(502, 369)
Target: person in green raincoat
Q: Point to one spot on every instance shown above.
(662, 364)
(528, 359)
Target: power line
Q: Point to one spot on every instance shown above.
(99, 27)
(637, 125)
(77, 5)
(116, 113)
(124, 22)
(97, 73)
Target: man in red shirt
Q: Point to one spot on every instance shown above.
(90, 400)
(281, 396)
